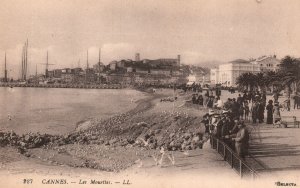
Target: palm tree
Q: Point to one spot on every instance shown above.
(247, 81)
(289, 74)
(261, 81)
(270, 79)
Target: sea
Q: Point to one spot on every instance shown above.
(59, 110)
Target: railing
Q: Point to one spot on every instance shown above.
(238, 164)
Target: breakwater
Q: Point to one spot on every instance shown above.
(82, 86)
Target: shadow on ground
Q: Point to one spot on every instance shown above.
(273, 151)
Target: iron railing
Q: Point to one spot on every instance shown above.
(236, 163)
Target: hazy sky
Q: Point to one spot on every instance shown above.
(200, 31)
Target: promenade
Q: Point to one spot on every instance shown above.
(275, 152)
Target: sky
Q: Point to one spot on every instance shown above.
(201, 31)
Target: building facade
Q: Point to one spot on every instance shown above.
(227, 74)
(267, 63)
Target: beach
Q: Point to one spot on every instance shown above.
(115, 161)
(111, 148)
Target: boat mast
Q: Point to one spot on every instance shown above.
(99, 57)
(87, 65)
(99, 64)
(22, 62)
(47, 63)
(87, 59)
(26, 59)
(5, 70)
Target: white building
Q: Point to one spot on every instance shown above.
(226, 74)
(214, 76)
(267, 63)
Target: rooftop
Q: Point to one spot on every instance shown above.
(239, 61)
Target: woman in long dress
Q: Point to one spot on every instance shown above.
(269, 109)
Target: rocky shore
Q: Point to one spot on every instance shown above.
(99, 144)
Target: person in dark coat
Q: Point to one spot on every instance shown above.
(296, 101)
(241, 110)
(205, 121)
(270, 112)
(210, 102)
(239, 99)
(261, 111)
(194, 99)
(218, 92)
(200, 100)
(225, 129)
(235, 108)
(255, 111)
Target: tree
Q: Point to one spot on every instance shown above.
(271, 79)
(261, 81)
(289, 74)
(247, 81)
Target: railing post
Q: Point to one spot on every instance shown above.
(241, 165)
(216, 143)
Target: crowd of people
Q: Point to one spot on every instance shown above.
(249, 106)
(228, 128)
(226, 119)
(209, 100)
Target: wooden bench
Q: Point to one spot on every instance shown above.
(290, 120)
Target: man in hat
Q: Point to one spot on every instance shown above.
(228, 104)
(225, 128)
(234, 128)
(213, 120)
(205, 121)
(241, 140)
(218, 126)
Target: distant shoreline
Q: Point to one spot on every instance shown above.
(78, 86)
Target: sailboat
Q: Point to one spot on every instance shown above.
(24, 63)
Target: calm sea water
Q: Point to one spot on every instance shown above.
(57, 110)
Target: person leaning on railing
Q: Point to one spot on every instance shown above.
(241, 139)
(225, 128)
